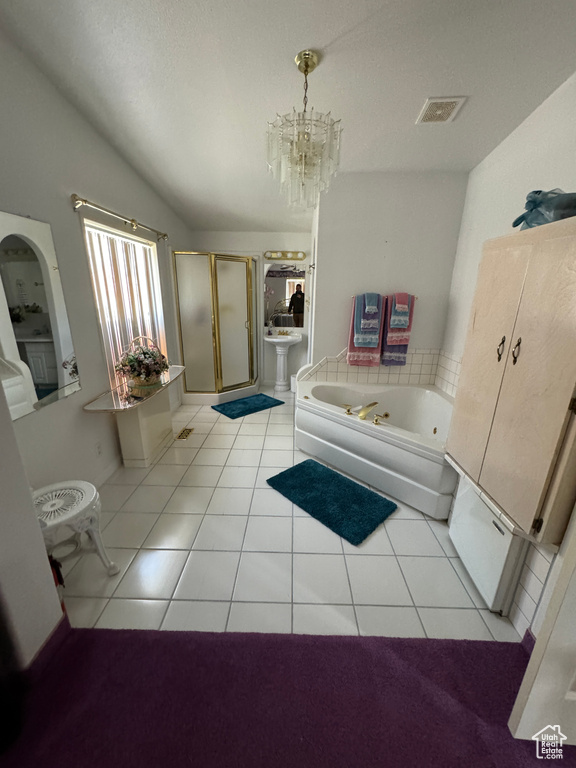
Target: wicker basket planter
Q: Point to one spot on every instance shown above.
(142, 358)
(145, 387)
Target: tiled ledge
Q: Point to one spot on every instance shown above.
(420, 368)
(423, 366)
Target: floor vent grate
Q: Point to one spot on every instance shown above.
(183, 434)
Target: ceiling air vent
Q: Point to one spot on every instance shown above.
(441, 110)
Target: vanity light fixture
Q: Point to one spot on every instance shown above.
(285, 255)
(304, 147)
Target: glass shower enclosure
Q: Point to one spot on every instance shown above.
(216, 307)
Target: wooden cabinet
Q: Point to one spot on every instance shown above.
(512, 430)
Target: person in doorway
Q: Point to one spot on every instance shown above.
(296, 307)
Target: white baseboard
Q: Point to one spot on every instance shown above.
(216, 398)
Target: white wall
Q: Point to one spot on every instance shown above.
(27, 588)
(47, 152)
(539, 154)
(245, 243)
(386, 232)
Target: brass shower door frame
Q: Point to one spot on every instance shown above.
(213, 258)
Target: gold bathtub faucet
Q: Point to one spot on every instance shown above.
(363, 412)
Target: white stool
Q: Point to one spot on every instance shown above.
(75, 504)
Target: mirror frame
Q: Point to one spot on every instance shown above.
(38, 235)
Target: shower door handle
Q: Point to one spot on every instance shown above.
(500, 348)
(516, 352)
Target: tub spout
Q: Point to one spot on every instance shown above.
(363, 412)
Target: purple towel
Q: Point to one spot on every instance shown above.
(395, 355)
(392, 354)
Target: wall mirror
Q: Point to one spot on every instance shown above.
(37, 359)
(280, 281)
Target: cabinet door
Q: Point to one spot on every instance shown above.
(498, 290)
(532, 411)
(37, 364)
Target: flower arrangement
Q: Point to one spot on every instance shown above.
(142, 363)
(18, 312)
(71, 366)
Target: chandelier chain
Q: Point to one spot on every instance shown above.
(305, 86)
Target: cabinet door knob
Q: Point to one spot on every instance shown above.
(516, 352)
(500, 348)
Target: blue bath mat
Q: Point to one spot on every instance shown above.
(247, 405)
(347, 508)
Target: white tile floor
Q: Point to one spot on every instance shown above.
(203, 543)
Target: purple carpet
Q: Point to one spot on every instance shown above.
(108, 698)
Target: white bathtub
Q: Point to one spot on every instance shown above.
(403, 456)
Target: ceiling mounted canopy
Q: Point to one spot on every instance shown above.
(304, 147)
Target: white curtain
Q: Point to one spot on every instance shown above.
(126, 286)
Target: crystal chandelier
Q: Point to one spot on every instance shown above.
(304, 147)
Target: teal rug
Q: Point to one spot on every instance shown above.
(347, 508)
(235, 409)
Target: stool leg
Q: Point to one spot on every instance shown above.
(94, 533)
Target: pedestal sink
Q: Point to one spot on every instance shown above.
(282, 344)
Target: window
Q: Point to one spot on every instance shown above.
(126, 286)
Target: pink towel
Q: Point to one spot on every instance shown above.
(401, 302)
(362, 355)
(399, 335)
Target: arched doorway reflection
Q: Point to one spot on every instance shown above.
(25, 293)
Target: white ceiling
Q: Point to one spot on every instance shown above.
(184, 88)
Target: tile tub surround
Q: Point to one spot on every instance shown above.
(423, 366)
(420, 368)
(447, 373)
(219, 550)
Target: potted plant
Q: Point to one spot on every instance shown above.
(71, 366)
(142, 366)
